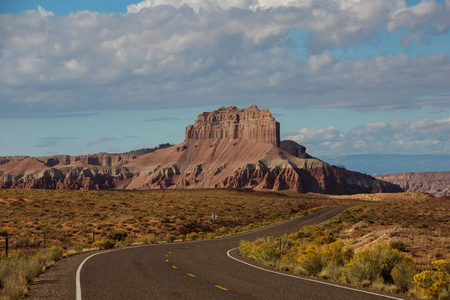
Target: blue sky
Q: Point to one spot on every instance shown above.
(342, 77)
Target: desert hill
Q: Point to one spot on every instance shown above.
(227, 148)
(435, 183)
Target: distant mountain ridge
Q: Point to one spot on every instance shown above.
(435, 183)
(227, 148)
(98, 159)
(393, 163)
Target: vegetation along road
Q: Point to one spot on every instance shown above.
(207, 269)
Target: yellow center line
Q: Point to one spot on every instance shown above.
(167, 255)
(221, 287)
(170, 252)
(167, 260)
(175, 267)
(192, 275)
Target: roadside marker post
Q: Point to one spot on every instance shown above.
(214, 217)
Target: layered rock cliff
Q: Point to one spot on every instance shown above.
(435, 183)
(227, 148)
(232, 123)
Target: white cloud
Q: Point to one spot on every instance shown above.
(45, 13)
(318, 61)
(418, 137)
(194, 52)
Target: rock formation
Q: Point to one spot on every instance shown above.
(227, 148)
(435, 183)
(232, 123)
(294, 149)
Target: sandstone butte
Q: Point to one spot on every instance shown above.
(227, 148)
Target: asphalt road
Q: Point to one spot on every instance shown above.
(210, 269)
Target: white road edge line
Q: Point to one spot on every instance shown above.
(309, 279)
(78, 274)
(77, 277)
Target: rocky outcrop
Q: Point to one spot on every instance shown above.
(79, 178)
(99, 159)
(294, 149)
(232, 123)
(435, 183)
(227, 148)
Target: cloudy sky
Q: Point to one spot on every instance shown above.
(342, 76)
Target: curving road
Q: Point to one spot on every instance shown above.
(210, 269)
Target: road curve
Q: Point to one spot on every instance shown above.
(205, 270)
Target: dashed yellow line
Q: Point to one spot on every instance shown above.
(169, 252)
(192, 275)
(175, 267)
(167, 260)
(221, 287)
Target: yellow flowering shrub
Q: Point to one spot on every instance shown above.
(315, 257)
(434, 283)
(375, 262)
(104, 243)
(261, 251)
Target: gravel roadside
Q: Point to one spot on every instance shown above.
(58, 282)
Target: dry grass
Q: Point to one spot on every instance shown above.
(69, 218)
(402, 233)
(422, 224)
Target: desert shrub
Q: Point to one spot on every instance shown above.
(126, 242)
(223, 230)
(374, 262)
(307, 233)
(148, 238)
(245, 249)
(324, 239)
(310, 260)
(104, 243)
(403, 274)
(261, 251)
(118, 235)
(399, 245)
(182, 237)
(434, 284)
(210, 235)
(333, 272)
(315, 257)
(192, 236)
(49, 254)
(169, 238)
(77, 248)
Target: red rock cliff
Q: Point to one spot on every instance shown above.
(229, 148)
(232, 123)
